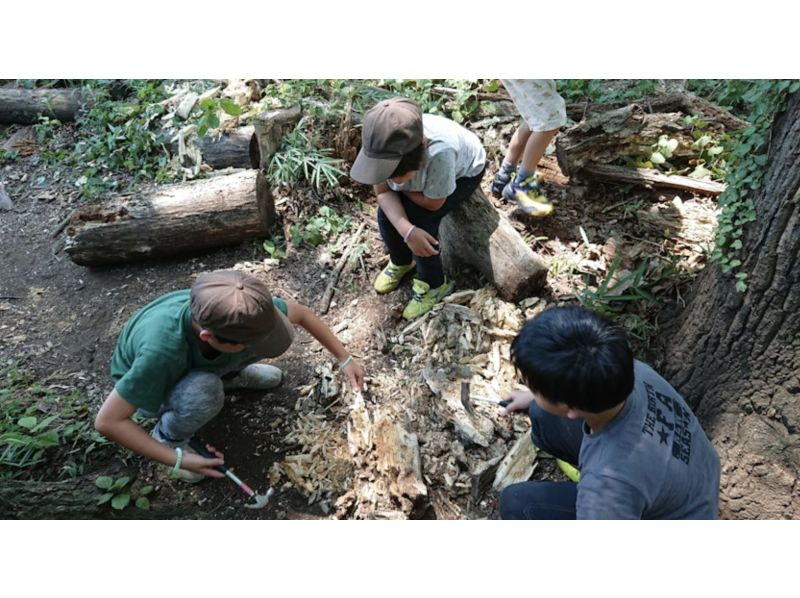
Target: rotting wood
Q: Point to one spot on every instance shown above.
(25, 106)
(387, 480)
(483, 477)
(518, 465)
(344, 259)
(648, 176)
(444, 508)
(477, 235)
(172, 220)
(628, 131)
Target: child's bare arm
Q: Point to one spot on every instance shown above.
(301, 315)
(114, 422)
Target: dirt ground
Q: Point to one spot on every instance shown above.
(62, 320)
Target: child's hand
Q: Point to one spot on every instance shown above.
(520, 401)
(198, 464)
(355, 375)
(422, 243)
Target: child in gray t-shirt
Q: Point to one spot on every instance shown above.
(421, 167)
(641, 451)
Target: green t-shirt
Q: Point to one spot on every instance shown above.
(157, 348)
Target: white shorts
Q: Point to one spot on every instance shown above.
(538, 102)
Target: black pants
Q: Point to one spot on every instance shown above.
(429, 269)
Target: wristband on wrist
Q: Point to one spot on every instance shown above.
(408, 233)
(345, 362)
(178, 459)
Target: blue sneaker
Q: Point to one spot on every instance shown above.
(501, 179)
(528, 196)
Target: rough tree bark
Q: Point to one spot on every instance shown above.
(477, 235)
(736, 357)
(180, 218)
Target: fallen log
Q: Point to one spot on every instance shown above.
(232, 148)
(628, 131)
(25, 106)
(649, 176)
(172, 220)
(477, 235)
(388, 480)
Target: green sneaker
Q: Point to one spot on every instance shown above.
(425, 298)
(391, 276)
(571, 472)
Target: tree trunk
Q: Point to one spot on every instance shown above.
(181, 218)
(736, 357)
(25, 106)
(475, 234)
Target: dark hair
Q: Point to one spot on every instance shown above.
(573, 356)
(410, 161)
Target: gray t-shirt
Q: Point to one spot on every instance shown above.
(653, 461)
(452, 152)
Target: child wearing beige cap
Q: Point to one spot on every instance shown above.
(177, 356)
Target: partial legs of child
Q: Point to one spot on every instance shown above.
(524, 189)
(430, 285)
(544, 112)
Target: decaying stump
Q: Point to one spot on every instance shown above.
(608, 136)
(388, 480)
(270, 127)
(477, 235)
(25, 106)
(172, 220)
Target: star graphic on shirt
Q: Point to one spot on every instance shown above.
(664, 435)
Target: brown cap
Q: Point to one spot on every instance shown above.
(239, 307)
(391, 129)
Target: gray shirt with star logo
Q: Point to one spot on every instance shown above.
(652, 461)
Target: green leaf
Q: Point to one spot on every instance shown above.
(121, 483)
(27, 422)
(120, 501)
(104, 482)
(741, 286)
(737, 244)
(105, 498)
(145, 490)
(143, 503)
(230, 107)
(657, 158)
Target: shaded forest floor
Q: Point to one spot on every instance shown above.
(59, 323)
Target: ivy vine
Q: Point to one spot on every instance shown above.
(766, 99)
